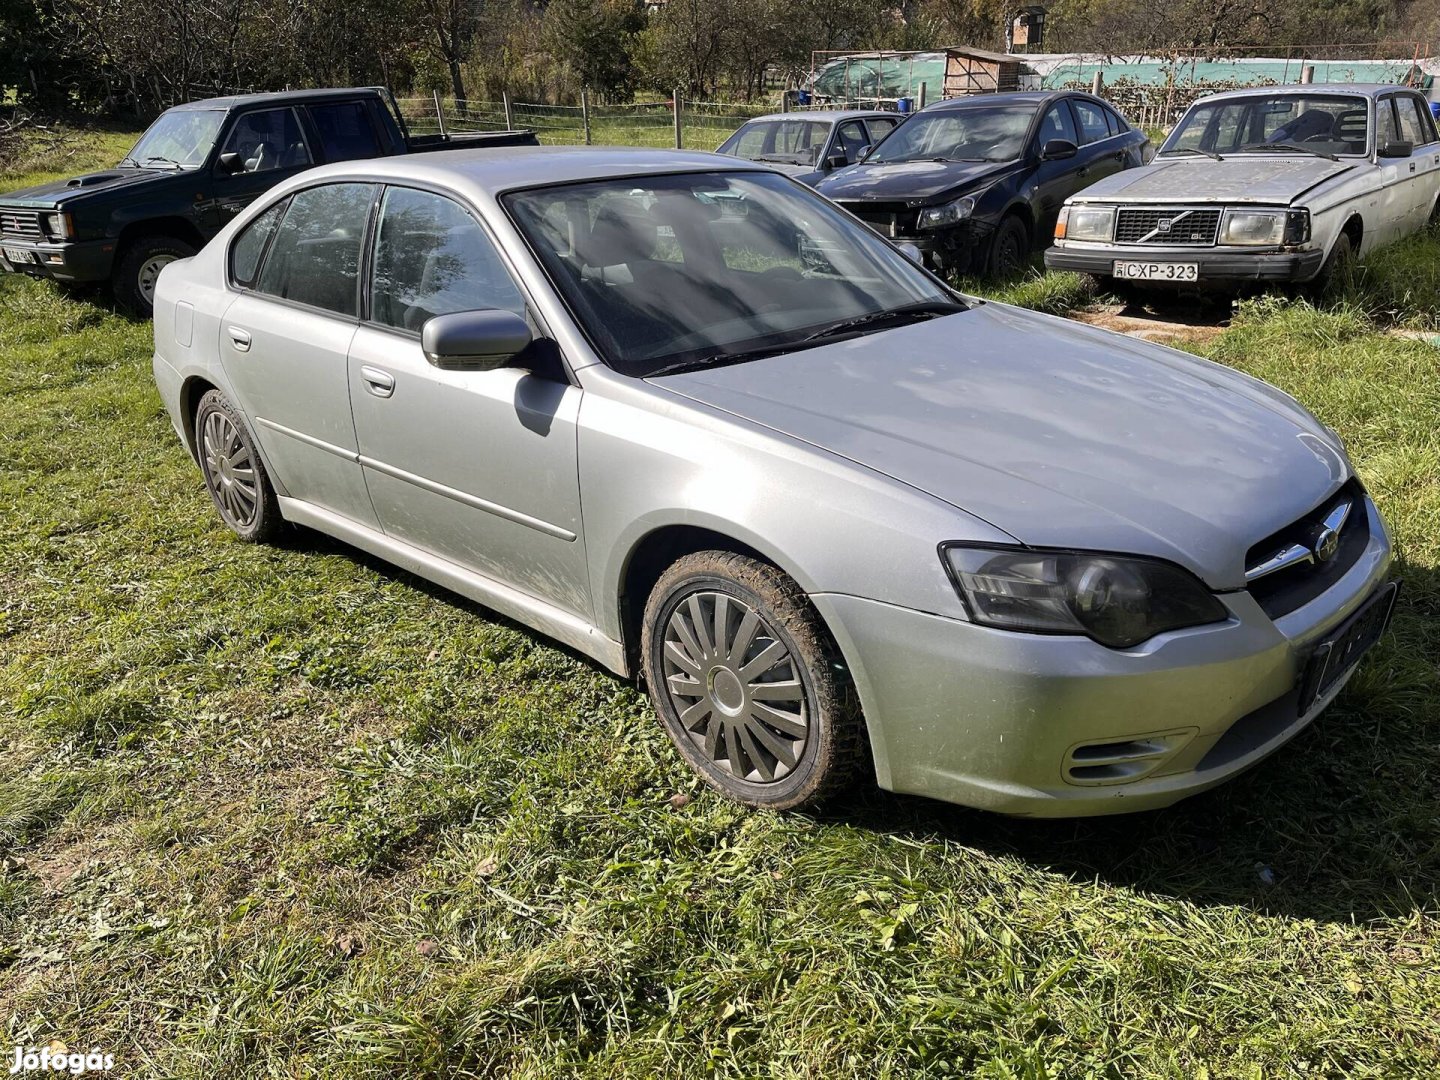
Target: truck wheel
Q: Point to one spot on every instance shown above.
(1009, 248)
(139, 268)
(748, 682)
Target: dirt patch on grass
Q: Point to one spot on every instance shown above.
(1166, 326)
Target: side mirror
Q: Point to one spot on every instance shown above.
(474, 340)
(913, 253)
(1396, 148)
(231, 163)
(1058, 150)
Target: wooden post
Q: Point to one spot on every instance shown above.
(585, 113)
(679, 136)
(509, 120)
(1307, 74)
(920, 97)
(439, 112)
(1097, 84)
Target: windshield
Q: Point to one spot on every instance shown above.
(1264, 123)
(180, 137)
(665, 272)
(790, 140)
(976, 133)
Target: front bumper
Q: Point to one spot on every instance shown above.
(993, 719)
(1229, 266)
(63, 260)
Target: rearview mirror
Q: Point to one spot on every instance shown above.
(474, 340)
(1058, 150)
(231, 163)
(1397, 148)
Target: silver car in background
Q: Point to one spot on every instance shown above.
(683, 415)
(810, 145)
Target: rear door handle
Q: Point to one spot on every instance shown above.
(380, 383)
(239, 338)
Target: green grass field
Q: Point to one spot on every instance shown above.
(288, 812)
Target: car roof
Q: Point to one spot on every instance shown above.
(236, 101)
(1358, 89)
(835, 115)
(492, 171)
(1022, 97)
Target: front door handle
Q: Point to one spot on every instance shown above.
(380, 383)
(239, 338)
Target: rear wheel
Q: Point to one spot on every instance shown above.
(139, 269)
(234, 473)
(748, 683)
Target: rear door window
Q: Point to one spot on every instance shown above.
(314, 258)
(1091, 117)
(345, 131)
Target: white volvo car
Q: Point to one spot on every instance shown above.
(1269, 184)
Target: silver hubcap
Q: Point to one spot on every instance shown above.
(735, 687)
(150, 273)
(230, 471)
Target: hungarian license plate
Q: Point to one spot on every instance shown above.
(18, 256)
(1337, 655)
(1156, 271)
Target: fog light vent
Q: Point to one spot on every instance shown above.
(1124, 761)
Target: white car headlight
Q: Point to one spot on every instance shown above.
(1253, 227)
(58, 226)
(950, 213)
(1087, 223)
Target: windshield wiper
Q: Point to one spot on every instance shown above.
(1194, 150)
(725, 359)
(874, 320)
(161, 157)
(1288, 147)
(131, 160)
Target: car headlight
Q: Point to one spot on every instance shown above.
(1265, 227)
(58, 226)
(1085, 223)
(1116, 600)
(950, 213)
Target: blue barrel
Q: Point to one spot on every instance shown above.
(904, 105)
(803, 97)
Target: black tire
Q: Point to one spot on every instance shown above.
(1009, 249)
(234, 475)
(730, 732)
(132, 280)
(1338, 273)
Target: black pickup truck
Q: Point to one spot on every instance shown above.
(193, 170)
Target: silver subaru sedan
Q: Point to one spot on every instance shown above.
(685, 416)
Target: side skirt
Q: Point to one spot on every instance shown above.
(536, 614)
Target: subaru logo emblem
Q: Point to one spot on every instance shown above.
(1326, 544)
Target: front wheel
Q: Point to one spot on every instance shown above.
(139, 269)
(1338, 273)
(748, 683)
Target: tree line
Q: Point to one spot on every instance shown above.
(137, 56)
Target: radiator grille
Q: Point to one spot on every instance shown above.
(1173, 225)
(1285, 590)
(886, 218)
(21, 224)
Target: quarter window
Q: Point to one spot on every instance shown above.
(266, 140)
(1093, 127)
(315, 256)
(345, 131)
(432, 258)
(249, 246)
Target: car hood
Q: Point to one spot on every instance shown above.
(1057, 433)
(1244, 179)
(910, 179)
(57, 193)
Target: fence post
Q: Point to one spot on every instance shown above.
(439, 112)
(920, 97)
(1097, 84)
(585, 113)
(505, 100)
(1307, 73)
(679, 138)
